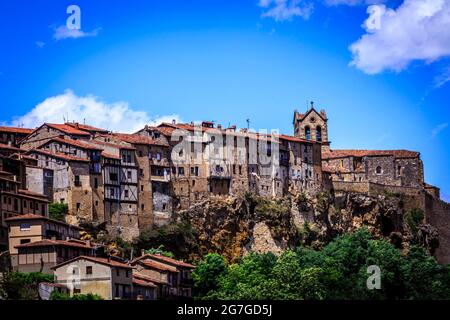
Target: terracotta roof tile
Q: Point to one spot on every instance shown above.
(7, 147)
(86, 127)
(59, 155)
(143, 283)
(104, 261)
(38, 217)
(333, 154)
(138, 139)
(68, 129)
(158, 266)
(147, 278)
(16, 130)
(172, 261)
(75, 143)
(48, 243)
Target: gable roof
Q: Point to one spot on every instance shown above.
(138, 139)
(76, 143)
(302, 116)
(38, 217)
(86, 127)
(104, 261)
(16, 130)
(334, 154)
(50, 243)
(164, 259)
(58, 155)
(67, 129)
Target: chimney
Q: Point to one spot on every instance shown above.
(219, 126)
(174, 121)
(232, 128)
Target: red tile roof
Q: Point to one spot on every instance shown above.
(86, 127)
(138, 139)
(7, 147)
(148, 278)
(16, 130)
(76, 143)
(58, 155)
(38, 217)
(50, 243)
(143, 283)
(158, 266)
(68, 129)
(333, 154)
(170, 260)
(294, 139)
(104, 261)
(21, 195)
(33, 194)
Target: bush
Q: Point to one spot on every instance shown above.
(22, 286)
(56, 295)
(58, 211)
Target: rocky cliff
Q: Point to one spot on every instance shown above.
(234, 226)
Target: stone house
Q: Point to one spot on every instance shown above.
(172, 277)
(50, 130)
(105, 277)
(31, 228)
(11, 136)
(401, 168)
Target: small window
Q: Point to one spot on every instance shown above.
(89, 270)
(24, 241)
(127, 193)
(25, 226)
(78, 206)
(76, 291)
(379, 170)
(129, 174)
(118, 272)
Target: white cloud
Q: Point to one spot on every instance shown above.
(40, 44)
(418, 30)
(62, 32)
(116, 116)
(438, 129)
(353, 2)
(442, 79)
(282, 10)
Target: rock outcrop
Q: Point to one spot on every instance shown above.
(234, 226)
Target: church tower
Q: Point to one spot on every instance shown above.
(312, 125)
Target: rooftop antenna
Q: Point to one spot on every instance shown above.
(312, 104)
(84, 121)
(248, 123)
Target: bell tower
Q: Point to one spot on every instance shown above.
(312, 125)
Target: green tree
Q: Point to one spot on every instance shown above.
(206, 275)
(22, 286)
(58, 211)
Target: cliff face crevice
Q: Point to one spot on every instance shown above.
(234, 226)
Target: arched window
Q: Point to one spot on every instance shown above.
(319, 133)
(378, 170)
(307, 133)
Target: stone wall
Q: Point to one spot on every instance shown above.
(438, 215)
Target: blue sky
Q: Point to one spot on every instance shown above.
(135, 62)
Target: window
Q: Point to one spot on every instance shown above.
(113, 176)
(240, 169)
(111, 192)
(180, 171)
(76, 291)
(379, 170)
(158, 156)
(193, 183)
(95, 183)
(142, 207)
(127, 193)
(118, 272)
(78, 206)
(127, 274)
(129, 174)
(89, 270)
(129, 158)
(142, 187)
(24, 241)
(399, 170)
(319, 133)
(308, 133)
(77, 181)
